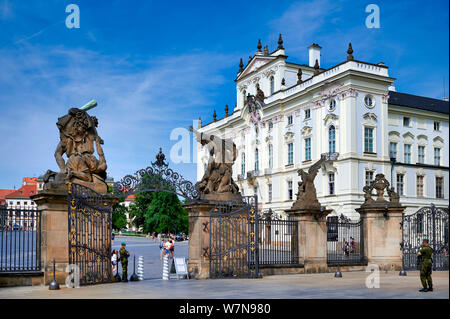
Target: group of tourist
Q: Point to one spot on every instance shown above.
(167, 247)
(123, 258)
(349, 246)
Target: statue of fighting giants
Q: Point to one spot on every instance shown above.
(78, 134)
(217, 183)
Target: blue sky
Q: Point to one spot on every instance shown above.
(157, 65)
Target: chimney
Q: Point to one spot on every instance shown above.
(314, 54)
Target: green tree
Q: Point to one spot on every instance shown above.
(159, 211)
(119, 219)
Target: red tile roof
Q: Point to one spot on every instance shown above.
(3, 193)
(24, 192)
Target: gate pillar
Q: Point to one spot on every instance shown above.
(381, 222)
(312, 238)
(198, 265)
(382, 236)
(54, 236)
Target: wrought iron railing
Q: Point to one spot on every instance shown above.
(278, 242)
(345, 241)
(20, 239)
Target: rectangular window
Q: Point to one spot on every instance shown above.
(406, 121)
(270, 156)
(439, 187)
(421, 154)
(255, 190)
(290, 120)
(407, 154)
(393, 150)
(400, 178)
(290, 153)
(270, 192)
(307, 114)
(308, 149)
(369, 177)
(368, 140)
(419, 185)
(290, 190)
(437, 126)
(331, 183)
(437, 156)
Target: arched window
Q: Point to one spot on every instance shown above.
(270, 156)
(332, 139)
(256, 160)
(272, 85)
(243, 163)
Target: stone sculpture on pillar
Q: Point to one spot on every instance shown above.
(380, 184)
(217, 182)
(78, 134)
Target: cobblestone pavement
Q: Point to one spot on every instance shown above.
(323, 286)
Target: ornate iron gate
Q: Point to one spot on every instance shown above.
(233, 251)
(430, 222)
(345, 241)
(90, 226)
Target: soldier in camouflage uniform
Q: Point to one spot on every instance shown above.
(426, 263)
(124, 254)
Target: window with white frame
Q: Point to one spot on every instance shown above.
(437, 126)
(368, 140)
(256, 159)
(243, 163)
(255, 190)
(307, 149)
(332, 139)
(272, 85)
(421, 154)
(269, 188)
(369, 177)
(407, 154)
(439, 187)
(437, 156)
(369, 101)
(307, 114)
(393, 150)
(270, 126)
(331, 183)
(270, 156)
(332, 105)
(290, 120)
(290, 153)
(290, 192)
(400, 181)
(406, 121)
(419, 185)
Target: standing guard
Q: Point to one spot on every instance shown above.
(426, 264)
(124, 254)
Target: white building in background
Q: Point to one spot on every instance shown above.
(351, 108)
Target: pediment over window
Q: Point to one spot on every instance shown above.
(306, 130)
(408, 135)
(370, 116)
(330, 118)
(288, 136)
(438, 141)
(422, 137)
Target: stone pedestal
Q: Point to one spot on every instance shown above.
(54, 232)
(382, 235)
(312, 238)
(198, 266)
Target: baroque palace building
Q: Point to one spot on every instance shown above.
(351, 108)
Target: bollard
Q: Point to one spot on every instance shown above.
(134, 277)
(165, 275)
(140, 271)
(338, 273)
(402, 272)
(54, 284)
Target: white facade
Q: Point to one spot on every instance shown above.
(343, 109)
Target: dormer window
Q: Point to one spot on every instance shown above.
(272, 85)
